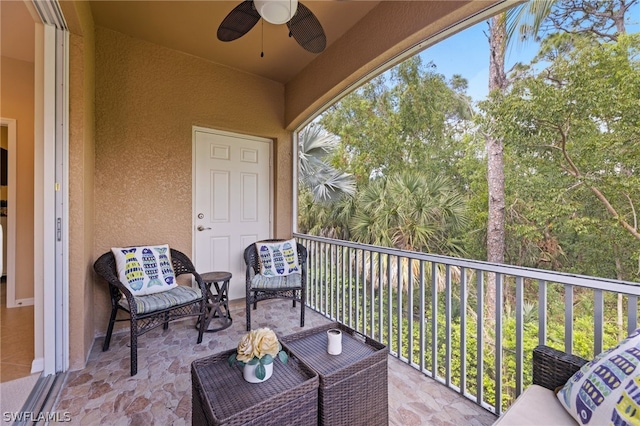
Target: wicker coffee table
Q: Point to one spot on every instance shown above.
(353, 385)
(220, 396)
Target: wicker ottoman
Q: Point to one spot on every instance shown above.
(353, 385)
(220, 396)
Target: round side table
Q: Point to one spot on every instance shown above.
(217, 284)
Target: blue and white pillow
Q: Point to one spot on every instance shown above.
(145, 269)
(278, 258)
(606, 390)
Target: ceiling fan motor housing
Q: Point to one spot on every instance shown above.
(276, 11)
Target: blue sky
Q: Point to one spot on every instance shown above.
(467, 53)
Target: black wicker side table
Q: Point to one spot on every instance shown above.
(217, 284)
(354, 384)
(221, 396)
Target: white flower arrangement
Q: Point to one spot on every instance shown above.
(260, 347)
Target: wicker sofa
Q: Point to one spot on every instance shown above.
(538, 405)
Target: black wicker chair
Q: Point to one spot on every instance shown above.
(105, 267)
(254, 295)
(553, 368)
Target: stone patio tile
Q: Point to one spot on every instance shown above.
(160, 394)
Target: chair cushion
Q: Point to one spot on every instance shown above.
(155, 302)
(287, 281)
(145, 269)
(536, 406)
(278, 258)
(606, 390)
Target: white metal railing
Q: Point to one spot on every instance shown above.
(439, 323)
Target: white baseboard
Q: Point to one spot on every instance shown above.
(37, 365)
(20, 302)
(24, 302)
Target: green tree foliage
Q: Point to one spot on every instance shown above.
(316, 175)
(406, 119)
(573, 130)
(412, 211)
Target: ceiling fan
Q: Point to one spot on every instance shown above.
(303, 26)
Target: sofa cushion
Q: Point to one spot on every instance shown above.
(158, 301)
(606, 390)
(145, 269)
(278, 258)
(536, 406)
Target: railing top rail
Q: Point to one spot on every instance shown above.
(618, 286)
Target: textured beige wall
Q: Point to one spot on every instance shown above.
(81, 180)
(147, 100)
(17, 81)
(387, 31)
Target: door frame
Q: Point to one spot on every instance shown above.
(193, 177)
(51, 204)
(10, 232)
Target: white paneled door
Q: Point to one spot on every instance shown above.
(232, 201)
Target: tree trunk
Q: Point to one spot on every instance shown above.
(495, 162)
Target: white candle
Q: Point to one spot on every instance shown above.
(334, 341)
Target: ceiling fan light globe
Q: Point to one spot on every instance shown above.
(276, 11)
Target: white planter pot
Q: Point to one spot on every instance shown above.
(249, 373)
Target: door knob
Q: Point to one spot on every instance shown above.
(202, 228)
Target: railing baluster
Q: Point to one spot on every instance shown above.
(338, 271)
(357, 304)
(399, 307)
(434, 319)
(389, 304)
(410, 311)
(519, 333)
(342, 281)
(447, 325)
(632, 314)
(480, 337)
(422, 316)
(463, 331)
(498, 342)
(322, 278)
(380, 298)
(542, 312)
(364, 292)
(334, 282)
(568, 319)
(372, 297)
(598, 321)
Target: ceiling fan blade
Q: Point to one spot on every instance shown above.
(238, 22)
(307, 31)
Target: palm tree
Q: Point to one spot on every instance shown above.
(317, 175)
(411, 211)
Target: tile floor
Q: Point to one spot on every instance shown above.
(16, 339)
(160, 394)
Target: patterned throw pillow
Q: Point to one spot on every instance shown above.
(606, 390)
(278, 258)
(145, 269)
